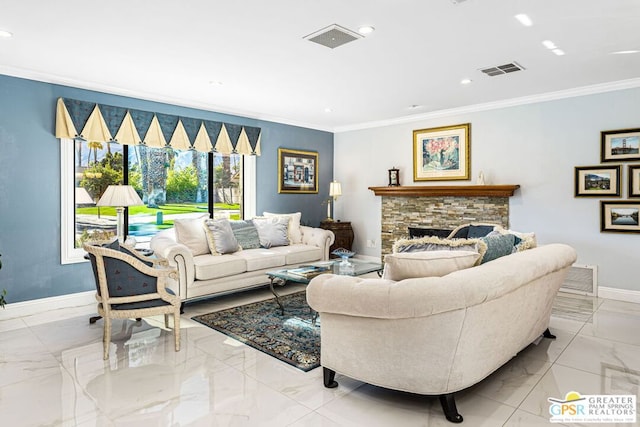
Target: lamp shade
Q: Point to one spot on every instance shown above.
(335, 189)
(120, 196)
(83, 197)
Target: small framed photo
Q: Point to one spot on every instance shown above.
(619, 216)
(620, 145)
(634, 181)
(297, 171)
(442, 153)
(597, 181)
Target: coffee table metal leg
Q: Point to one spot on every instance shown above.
(273, 291)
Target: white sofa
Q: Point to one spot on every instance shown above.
(206, 275)
(437, 335)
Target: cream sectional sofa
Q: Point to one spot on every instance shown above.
(203, 273)
(437, 335)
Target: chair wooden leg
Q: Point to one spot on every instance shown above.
(166, 321)
(176, 329)
(106, 338)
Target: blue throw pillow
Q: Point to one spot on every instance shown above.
(246, 234)
(498, 245)
(476, 231)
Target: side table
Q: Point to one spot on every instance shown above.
(343, 233)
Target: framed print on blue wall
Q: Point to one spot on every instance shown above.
(297, 171)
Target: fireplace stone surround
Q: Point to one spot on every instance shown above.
(443, 207)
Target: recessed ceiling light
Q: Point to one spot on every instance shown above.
(5, 34)
(549, 44)
(215, 82)
(366, 29)
(524, 19)
(625, 52)
(558, 52)
(465, 81)
(328, 110)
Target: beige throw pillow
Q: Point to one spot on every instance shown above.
(294, 232)
(190, 232)
(220, 236)
(408, 265)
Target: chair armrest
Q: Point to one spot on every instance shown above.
(318, 237)
(179, 256)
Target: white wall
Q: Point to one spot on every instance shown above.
(536, 146)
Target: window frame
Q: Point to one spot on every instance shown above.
(72, 255)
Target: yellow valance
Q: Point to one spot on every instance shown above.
(103, 123)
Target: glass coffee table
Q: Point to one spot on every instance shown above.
(354, 267)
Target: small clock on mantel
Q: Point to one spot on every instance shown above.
(394, 177)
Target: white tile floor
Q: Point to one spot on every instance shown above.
(52, 374)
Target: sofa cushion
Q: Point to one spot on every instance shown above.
(299, 253)
(258, 259)
(220, 236)
(498, 245)
(437, 244)
(246, 234)
(214, 266)
(190, 232)
(293, 231)
(408, 265)
(272, 231)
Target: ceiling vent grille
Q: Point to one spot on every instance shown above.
(502, 69)
(333, 36)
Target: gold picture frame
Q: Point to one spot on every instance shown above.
(297, 171)
(442, 153)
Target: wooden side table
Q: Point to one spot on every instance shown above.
(343, 233)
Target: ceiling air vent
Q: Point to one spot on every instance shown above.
(502, 69)
(333, 36)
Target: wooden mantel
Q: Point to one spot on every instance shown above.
(447, 190)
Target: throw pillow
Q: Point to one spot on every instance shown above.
(407, 265)
(294, 231)
(498, 245)
(220, 236)
(246, 234)
(190, 232)
(272, 231)
(437, 244)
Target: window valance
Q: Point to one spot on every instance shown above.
(104, 123)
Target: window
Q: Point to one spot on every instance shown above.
(171, 183)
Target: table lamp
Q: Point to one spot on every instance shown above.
(120, 196)
(335, 191)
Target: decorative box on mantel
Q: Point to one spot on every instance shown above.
(440, 206)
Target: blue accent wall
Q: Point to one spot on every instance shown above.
(30, 182)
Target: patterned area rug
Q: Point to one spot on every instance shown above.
(292, 338)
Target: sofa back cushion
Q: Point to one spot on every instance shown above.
(190, 232)
(409, 265)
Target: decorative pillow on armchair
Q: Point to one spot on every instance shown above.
(272, 231)
(407, 265)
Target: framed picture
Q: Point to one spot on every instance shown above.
(597, 181)
(634, 181)
(442, 153)
(620, 145)
(619, 216)
(297, 171)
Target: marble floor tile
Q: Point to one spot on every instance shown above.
(54, 362)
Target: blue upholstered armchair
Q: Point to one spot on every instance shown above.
(129, 286)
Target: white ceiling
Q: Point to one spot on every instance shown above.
(172, 51)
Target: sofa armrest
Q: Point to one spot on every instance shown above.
(177, 255)
(318, 237)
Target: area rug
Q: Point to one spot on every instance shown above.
(292, 337)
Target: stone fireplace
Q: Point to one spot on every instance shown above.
(440, 207)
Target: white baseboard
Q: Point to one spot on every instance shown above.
(619, 294)
(51, 304)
